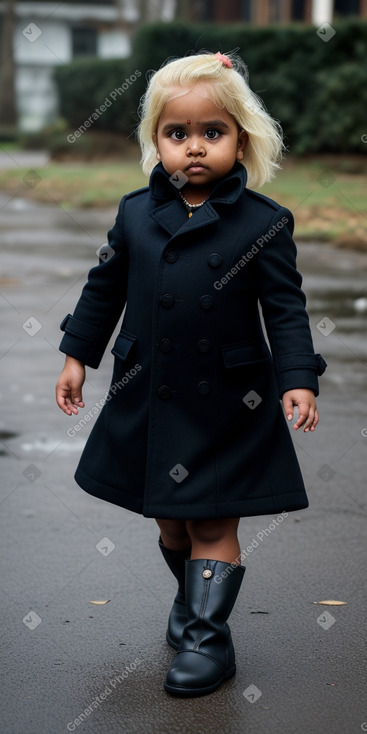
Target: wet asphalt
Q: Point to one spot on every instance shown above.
(71, 665)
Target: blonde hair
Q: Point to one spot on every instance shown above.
(228, 88)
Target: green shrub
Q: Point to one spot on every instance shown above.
(317, 90)
(85, 84)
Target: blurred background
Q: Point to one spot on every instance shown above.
(72, 74)
(71, 77)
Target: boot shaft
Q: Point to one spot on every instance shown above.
(210, 598)
(176, 563)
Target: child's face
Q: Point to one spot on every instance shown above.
(197, 137)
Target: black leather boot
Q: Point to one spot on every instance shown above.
(206, 655)
(178, 617)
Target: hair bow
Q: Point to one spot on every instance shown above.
(224, 59)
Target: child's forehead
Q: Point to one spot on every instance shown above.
(197, 96)
(201, 89)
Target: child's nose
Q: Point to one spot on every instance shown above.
(195, 146)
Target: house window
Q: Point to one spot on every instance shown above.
(298, 9)
(246, 10)
(205, 9)
(346, 7)
(84, 41)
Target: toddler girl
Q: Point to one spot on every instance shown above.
(192, 432)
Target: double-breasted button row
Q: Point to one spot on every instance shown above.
(165, 345)
(203, 387)
(167, 300)
(215, 260)
(203, 346)
(171, 256)
(206, 302)
(164, 391)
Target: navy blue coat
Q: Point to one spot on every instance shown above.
(193, 426)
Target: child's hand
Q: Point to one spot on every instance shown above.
(69, 386)
(306, 402)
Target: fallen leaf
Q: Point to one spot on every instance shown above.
(332, 603)
(259, 612)
(100, 602)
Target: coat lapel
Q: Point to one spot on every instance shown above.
(169, 212)
(172, 217)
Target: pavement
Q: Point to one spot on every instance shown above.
(69, 664)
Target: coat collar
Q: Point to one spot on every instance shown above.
(226, 190)
(170, 213)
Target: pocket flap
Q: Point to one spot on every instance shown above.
(235, 355)
(123, 344)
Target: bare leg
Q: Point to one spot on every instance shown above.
(215, 539)
(174, 534)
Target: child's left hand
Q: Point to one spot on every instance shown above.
(307, 408)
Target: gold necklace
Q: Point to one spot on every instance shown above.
(192, 206)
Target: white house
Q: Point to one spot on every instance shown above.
(49, 34)
(52, 33)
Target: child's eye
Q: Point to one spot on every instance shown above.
(212, 133)
(177, 134)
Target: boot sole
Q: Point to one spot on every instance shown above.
(191, 692)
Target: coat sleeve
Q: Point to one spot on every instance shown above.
(283, 305)
(88, 330)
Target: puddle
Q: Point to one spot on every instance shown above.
(48, 445)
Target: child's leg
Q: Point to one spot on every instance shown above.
(215, 539)
(206, 656)
(175, 545)
(174, 534)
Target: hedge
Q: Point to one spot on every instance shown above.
(87, 85)
(316, 89)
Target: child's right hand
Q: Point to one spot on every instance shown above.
(69, 386)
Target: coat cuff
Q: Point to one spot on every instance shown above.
(81, 341)
(300, 371)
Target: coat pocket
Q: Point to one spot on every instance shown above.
(123, 344)
(242, 354)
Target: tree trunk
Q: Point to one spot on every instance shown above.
(8, 116)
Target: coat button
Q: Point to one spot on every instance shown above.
(165, 345)
(203, 346)
(171, 256)
(203, 388)
(164, 392)
(167, 300)
(207, 573)
(206, 302)
(215, 260)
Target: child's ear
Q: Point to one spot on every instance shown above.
(154, 138)
(242, 142)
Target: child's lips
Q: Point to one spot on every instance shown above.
(196, 167)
